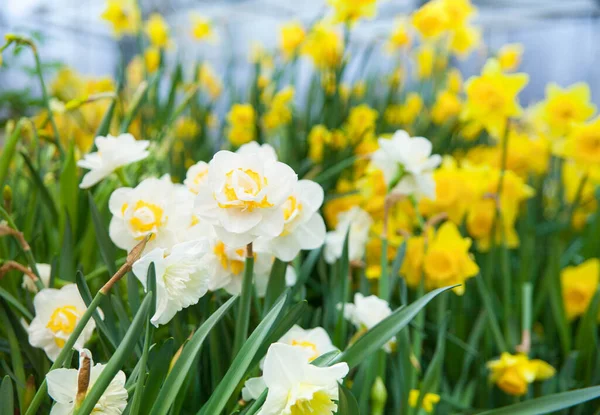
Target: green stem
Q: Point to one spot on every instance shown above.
(122, 177)
(243, 320)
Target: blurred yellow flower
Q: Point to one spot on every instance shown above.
(579, 284)
(187, 128)
(324, 46)
(514, 373)
(454, 81)
(291, 36)
(157, 30)
(447, 106)
(427, 403)
(123, 15)
(317, 138)
(509, 56)
(360, 124)
(350, 11)
(209, 81)
(572, 178)
(152, 59)
(458, 12)
(447, 260)
(465, 39)
(279, 112)
(492, 97)
(241, 120)
(425, 60)
(400, 37)
(202, 27)
(583, 144)
(412, 266)
(565, 106)
(431, 20)
(412, 108)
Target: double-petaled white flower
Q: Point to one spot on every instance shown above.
(113, 153)
(359, 222)
(303, 227)
(180, 278)
(63, 385)
(195, 175)
(155, 207)
(57, 312)
(242, 196)
(44, 270)
(266, 152)
(295, 386)
(366, 312)
(407, 164)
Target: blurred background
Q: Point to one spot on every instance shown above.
(560, 36)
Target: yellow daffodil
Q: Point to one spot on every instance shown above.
(279, 112)
(291, 36)
(454, 81)
(572, 179)
(152, 59)
(209, 81)
(123, 15)
(564, 107)
(202, 28)
(514, 373)
(400, 37)
(425, 61)
(324, 46)
(579, 284)
(361, 123)
(583, 144)
(431, 20)
(464, 40)
(241, 120)
(157, 30)
(428, 402)
(458, 12)
(509, 56)
(412, 266)
(350, 11)
(492, 97)
(447, 106)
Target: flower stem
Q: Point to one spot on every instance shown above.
(243, 320)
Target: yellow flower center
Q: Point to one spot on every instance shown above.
(440, 265)
(589, 144)
(564, 111)
(146, 217)
(512, 382)
(236, 266)
(63, 319)
(488, 96)
(307, 345)
(319, 404)
(291, 207)
(242, 186)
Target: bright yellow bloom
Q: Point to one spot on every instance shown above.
(209, 81)
(360, 124)
(124, 15)
(565, 106)
(454, 81)
(291, 36)
(242, 124)
(458, 12)
(317, 138)
(400, 36)
(492, 97)
(412, 265)
(583, 144)
(425, 61)
(428, 402)
(572, 175)
(509, 56)
(431, 20)
(187, 128)
(279, 112)
(514, 373)
(324, 46)
(406, 113)
(359, 89)
(447, 260)
(350, 11)
(579, 284)
(202, 28)
(447, 106)
(152, 59)
(465, 39)
(157, 30)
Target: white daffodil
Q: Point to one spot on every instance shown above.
(266, 152)
(57, 312)
(156, 206)
(316, 341)
(180, 280)
(225, 265)
(359, 223)
(407, 164)
(44, 270)
(113, 153)
(297, 387)
(304, 227)
(63, 385)
(367, 312)
(195, 176)
(243, 195)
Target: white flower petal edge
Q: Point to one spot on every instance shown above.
(57, 312)
(296, 386)
(366, 312)
(113, 153)
(62, 388)
(265, 151)
(359, 222)
(180, 278)
(45, 270)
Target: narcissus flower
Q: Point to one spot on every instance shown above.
(509, 56)
(241, 121)
(291, 36)
(113, 153)
(564, 107)
(297, 387)
(447, 260)
(400, 37)
(209, 81)
(157, 31)
(63, 388)
(123, 15)
(358, 222)
(324, 46)
(492, 97)
(57, 312)
(425, 57)
(428, 402)
(195, 175)
(514, 373)
(447, 106)
(44, 270)
(431, 20)
(202, 28)
(464, 40)
(304, 227)
(582, 145)
(579, 284)
(366, 312)
(180, 279)
(243, 196)
(350, 11)
(407, 164)
(265, 152)
(155, 207)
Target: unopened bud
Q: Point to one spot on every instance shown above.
(378, 397)
(7, 196)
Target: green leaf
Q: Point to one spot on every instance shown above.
(242, 361)
(104, 127)
(159, 361)
(66, 265)
(107, 249)
(306, 269)
(335, 170)
(37, 180)
(8, 151)
(343, 267)
(16, 304)
(379, 335)
(182, 366)
(69, 187)
(243, 318)
(118, 358)
(15, 351)
(586, 340)
(276, 284)
(548, 404)
(347, 404)
(433, 375)
(7, 399)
